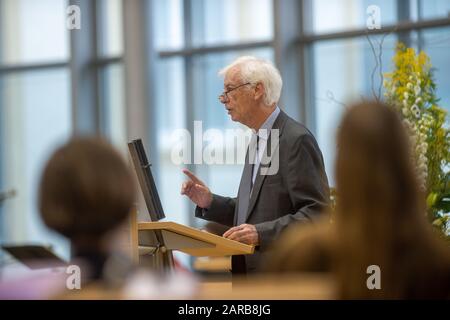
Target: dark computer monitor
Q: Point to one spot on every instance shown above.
(146, 181)
(150, 238)
(35, 256)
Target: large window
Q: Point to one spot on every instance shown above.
(45, 70)
(35, 109)
(344, 56)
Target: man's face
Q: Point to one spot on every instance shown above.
(239, 102)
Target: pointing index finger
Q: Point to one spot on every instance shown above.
(192, 176)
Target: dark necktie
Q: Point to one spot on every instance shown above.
(246, 184)
(254, 163)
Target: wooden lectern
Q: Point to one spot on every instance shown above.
(178, 237)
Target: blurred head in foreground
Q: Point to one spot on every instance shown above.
(86, 192)
(381, 213)
(380, 216)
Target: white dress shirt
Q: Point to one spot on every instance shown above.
(263, 135)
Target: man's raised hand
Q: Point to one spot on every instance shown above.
(196, 190)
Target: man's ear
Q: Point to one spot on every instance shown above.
(259, 91)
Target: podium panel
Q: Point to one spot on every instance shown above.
(195, 242)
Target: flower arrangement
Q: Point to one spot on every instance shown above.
(410, 88)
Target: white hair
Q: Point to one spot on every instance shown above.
(255, 70)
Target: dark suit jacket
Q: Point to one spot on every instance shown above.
(298, 192)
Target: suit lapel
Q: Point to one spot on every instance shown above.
(278, 124)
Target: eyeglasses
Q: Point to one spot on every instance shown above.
(224, 96)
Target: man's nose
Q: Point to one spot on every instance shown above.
(224, 99)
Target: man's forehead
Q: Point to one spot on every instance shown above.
(232, 77)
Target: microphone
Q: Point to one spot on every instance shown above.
(4, 195)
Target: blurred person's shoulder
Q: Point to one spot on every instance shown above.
(303, 248)
(34, 285)
(142, 284)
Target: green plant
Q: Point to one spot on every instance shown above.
(410, 89)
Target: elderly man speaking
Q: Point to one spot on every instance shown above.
(265, 204)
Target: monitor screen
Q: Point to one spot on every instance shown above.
(146, 181)
(150, 238)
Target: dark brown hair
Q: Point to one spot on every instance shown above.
(380, 216)
(86, 189)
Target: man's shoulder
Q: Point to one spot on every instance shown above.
(294, 130)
